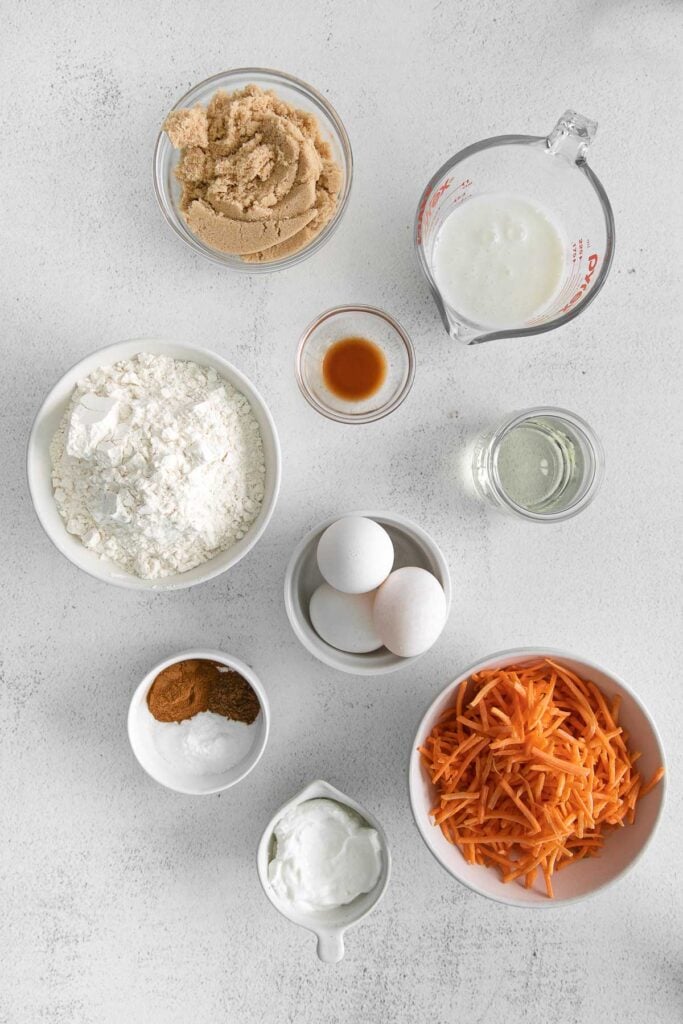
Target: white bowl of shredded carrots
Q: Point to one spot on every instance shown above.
(531, 762)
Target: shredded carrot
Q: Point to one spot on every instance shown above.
(531, 771)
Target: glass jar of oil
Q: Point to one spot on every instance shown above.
(542, 464)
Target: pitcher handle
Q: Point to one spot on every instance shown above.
(571, 137)
(331, 945)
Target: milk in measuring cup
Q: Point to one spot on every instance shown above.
(498, 260)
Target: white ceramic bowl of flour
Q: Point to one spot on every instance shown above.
(39, 467)
(141, 735)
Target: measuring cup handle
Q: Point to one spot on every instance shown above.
(571, 137)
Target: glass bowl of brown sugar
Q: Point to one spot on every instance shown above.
(305, 104)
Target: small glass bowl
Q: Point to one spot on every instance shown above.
(487, 479)
(367, 322)
(291, 90)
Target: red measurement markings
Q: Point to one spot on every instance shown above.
(431, 201)
(427, 207)
(593, 261)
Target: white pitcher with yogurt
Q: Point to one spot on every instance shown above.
(515, 234)
(329, 925)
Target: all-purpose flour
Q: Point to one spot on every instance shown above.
(158, 464)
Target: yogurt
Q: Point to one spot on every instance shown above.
(498, 260)
(325, 856)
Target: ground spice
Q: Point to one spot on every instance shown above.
(232, 696)
(180, 691)
(188, 687)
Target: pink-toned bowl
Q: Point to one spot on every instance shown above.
(622, 849)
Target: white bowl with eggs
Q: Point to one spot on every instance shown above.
(149, 758)
(412, 547)
(39, 466)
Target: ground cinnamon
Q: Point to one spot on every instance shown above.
(184, 689)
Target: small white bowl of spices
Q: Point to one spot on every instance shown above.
(198, 722)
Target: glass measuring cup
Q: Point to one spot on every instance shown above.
(551, 171)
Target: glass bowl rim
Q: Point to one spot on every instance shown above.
(374, 414)
(232, 262)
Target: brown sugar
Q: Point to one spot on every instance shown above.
(188, 128)
(259, 181)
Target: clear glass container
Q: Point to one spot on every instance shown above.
(551, 172)
(291, 90)
(349, 321)
(543, 464)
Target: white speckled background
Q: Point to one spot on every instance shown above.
(123, 902)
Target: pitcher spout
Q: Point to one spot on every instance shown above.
(464, 333)
(458, 330)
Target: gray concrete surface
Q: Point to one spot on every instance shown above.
(122, 902)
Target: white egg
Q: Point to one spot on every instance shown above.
(410, 611)
(355, 555)
(344, 620)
